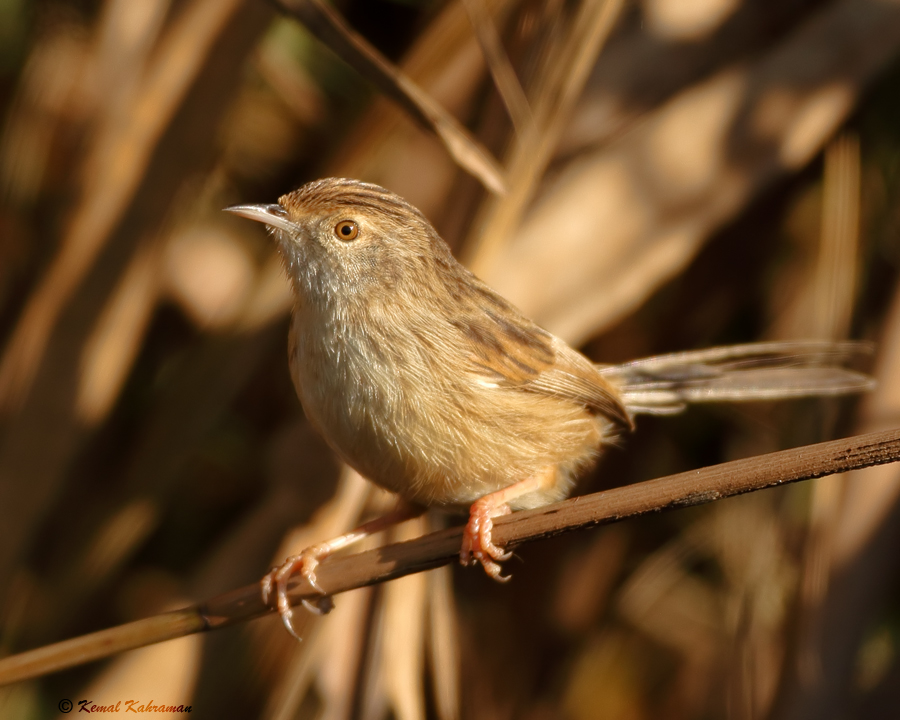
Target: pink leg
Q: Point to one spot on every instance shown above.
(308, 560)
(477, 546)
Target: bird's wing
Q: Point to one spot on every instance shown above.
(505, 349)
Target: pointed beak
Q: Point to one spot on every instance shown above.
(272, 215)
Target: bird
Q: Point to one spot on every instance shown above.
(437, 389)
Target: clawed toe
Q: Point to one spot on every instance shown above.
(305, 563)
(477, 545)
(320, 606)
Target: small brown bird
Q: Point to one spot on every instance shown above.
(434, 387)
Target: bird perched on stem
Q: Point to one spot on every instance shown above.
(434, 387)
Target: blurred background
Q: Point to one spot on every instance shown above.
(678, 175)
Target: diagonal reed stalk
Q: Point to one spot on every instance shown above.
(340, 574)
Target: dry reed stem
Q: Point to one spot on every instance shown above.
(630, 216)
(444, 651)
(861, 565)
(203, 55)
(555, 95)
(344, 573)
(325, 24)
(114, 169)
(835, 281)
(828, 315)
(505, 79)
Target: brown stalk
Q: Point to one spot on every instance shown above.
(649, 217)
(113, 171)
(340, 574)
(505, 79)
(153, 153)
(557, 91)
(828, 314)
(326, 25)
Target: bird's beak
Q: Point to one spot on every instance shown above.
(272, 215)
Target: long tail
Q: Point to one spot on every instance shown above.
(665, 384)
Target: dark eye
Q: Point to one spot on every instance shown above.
(346, 230)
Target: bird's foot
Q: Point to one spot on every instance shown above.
(477, 546)
(277, 581)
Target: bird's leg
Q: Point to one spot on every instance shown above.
(477, 545)
(308, 560)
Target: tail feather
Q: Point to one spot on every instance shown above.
(665, 384)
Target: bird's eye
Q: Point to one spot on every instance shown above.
(346, 230)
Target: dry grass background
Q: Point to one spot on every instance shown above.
(679, 175)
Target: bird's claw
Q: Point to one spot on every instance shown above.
(477, 546)
(277, 580)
